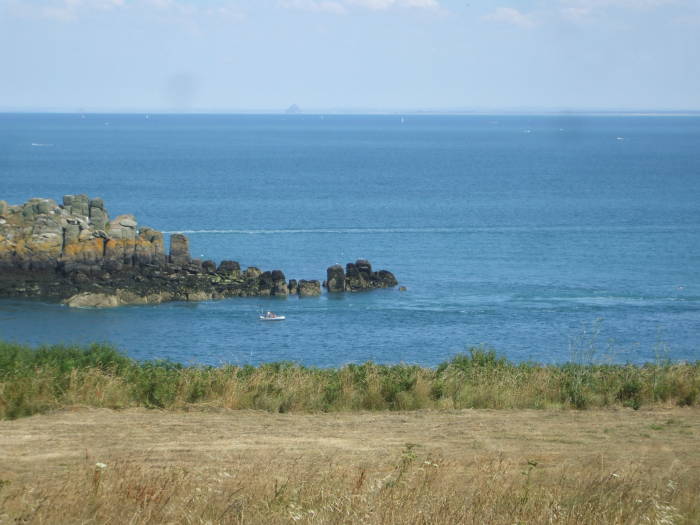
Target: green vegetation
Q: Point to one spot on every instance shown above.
(34, 380)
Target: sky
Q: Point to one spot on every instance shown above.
(349, 55)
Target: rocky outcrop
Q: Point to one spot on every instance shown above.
(357, 277)
(335, 279)
(309, 288)
(73, 252)
(179, 249)
(93, 300)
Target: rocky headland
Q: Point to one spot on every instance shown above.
(73, 252)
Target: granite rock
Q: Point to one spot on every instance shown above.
(358, 276)
(229, 269)
(335, 278)
(179, 249)
(309, 288)
(73, 253)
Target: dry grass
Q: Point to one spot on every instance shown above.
(419, 489)
(427, 467)
(359, 444)
(36, 380)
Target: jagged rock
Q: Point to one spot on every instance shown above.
(79, 204)
(199, 296)
(252, 272)
(193, 267)
(266, 284)
(45, 206)
(359, 277)
(279, 283)
(79, 277)
(355, 279)
(150, 246)
(209, 266)
(335, 281)
(28, 212)
(385, 279)
(42, 244)
(123, 227)
(71, 233)
(309, 288)
(179, 249)
(91, 251)
(71, 253)
(119, 250)
(229, 269)
(98, 218)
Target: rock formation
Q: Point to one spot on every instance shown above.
(73, 252)
(309, 288)
(356, 277)
(335, 279)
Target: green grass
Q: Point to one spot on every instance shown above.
(34, 380)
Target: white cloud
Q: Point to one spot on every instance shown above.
(315, 6)
(591, 5)
(72, 10)
(341, 7)
(582, 11)
(576, 14)
(510, 15)
(62, 10)
(160, 4)
(380, 5)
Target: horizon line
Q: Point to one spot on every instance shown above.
(361, 111)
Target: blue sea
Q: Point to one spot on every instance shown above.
(546, 238)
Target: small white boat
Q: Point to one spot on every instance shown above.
(270, 316)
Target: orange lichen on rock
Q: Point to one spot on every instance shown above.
(90, 251)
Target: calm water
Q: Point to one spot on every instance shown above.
(541, 237)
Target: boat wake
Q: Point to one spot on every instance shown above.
(324, 230)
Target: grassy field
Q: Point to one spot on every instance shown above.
(35, 380)
(212, 465)
(88, 435)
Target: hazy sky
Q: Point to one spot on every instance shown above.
(349, 54)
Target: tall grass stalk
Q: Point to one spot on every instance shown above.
(34, 380)
(417, 489)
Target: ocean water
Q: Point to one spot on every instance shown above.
(546, 238)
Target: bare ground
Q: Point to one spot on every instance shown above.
(201, 440)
